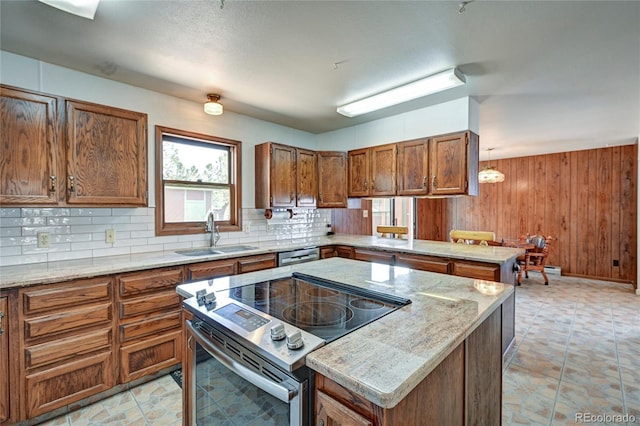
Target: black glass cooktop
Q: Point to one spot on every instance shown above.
(327, 309)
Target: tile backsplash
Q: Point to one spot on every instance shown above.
(79, 233)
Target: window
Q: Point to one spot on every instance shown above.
(195, 174)
(396, 211)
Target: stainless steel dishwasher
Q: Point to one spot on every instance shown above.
(307, 254)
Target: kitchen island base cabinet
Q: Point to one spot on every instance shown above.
(4, 360)
(464, 389)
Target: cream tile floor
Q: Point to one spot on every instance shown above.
(577, 351)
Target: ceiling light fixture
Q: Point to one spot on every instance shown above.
(490, 174)
(84, 8)
(213, 107)
(426, 86)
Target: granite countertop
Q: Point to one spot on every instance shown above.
(51, 272)
(384, 360)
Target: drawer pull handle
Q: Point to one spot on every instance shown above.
(52, 180)
(72, 184)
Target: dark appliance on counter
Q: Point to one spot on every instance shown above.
(249, 345)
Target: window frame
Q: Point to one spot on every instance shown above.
(235, 177)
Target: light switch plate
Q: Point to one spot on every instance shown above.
(365, 213)
(110, 236)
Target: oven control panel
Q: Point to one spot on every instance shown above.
(242, 317)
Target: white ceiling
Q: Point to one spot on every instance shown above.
(550, 76)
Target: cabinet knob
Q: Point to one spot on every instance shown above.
(52, 181)
(72, 184)
(365, 184)
(433, 182)
(320, 422)
(424, 182)
(1, 329)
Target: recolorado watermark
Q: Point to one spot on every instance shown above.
(605, 418)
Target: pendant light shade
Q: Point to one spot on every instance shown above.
(490, 174)
(213, 107)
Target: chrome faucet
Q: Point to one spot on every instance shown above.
(213, 229)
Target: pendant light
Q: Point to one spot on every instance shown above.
(213, 107)
(490, 174)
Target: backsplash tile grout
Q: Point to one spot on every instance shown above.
(79, 233)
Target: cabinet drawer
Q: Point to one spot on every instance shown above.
(67, 348)
(373, 256)
(424, 263)
(326, 252)
(79, 292)
(151, 355)
(67, 321)
(62, 385)
(132, 308)
(148, 281)
(149, 326)
(481, 271)
(206, 270)
(256, 263)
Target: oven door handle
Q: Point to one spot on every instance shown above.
(282, 393)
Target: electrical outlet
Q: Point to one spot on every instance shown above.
(246, 228)
(43, 240)
(110, 236)
(365, 213)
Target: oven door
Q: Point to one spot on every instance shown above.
(232, 386)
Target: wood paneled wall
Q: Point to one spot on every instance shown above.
(585, 199)
(350, 221)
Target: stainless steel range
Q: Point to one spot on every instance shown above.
(262, 332)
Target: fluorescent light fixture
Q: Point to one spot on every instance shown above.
(426, 86)
(85, 8)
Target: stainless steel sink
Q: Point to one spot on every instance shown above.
(215, 250)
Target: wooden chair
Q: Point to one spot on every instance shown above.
(389, 231)
(473, 237)
(535, 258)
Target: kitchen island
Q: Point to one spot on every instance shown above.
(433, 340)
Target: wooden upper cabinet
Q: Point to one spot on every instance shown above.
(286, 176)
(413, 167)
(372, 171)
(358, 170)
(105, 150)
(332, 179)
(307, 177)
(383, 169)
(30, 150)
(106, 155)
(454, 164)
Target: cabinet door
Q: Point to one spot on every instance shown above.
(423, 263)
(307, 178)
(283, 176)
(332, 179)
(373, 256)
(256, 263)
(29, 148)
(213, 269)
(327, 252)
(4, 360)
(106, 155)
(480, 271)
(413, 167)
(358, 166)
(332, 412)
(383, 169)
(454, 164)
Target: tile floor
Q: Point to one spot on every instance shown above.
(577, 353)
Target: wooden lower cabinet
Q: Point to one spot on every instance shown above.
(327, 252)
(149, 321)
(373, 256)
(481, 271)
(465, 389)
(66, 347)
(256, 263)
(225, 267)
(4, 359)
(424, 263)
